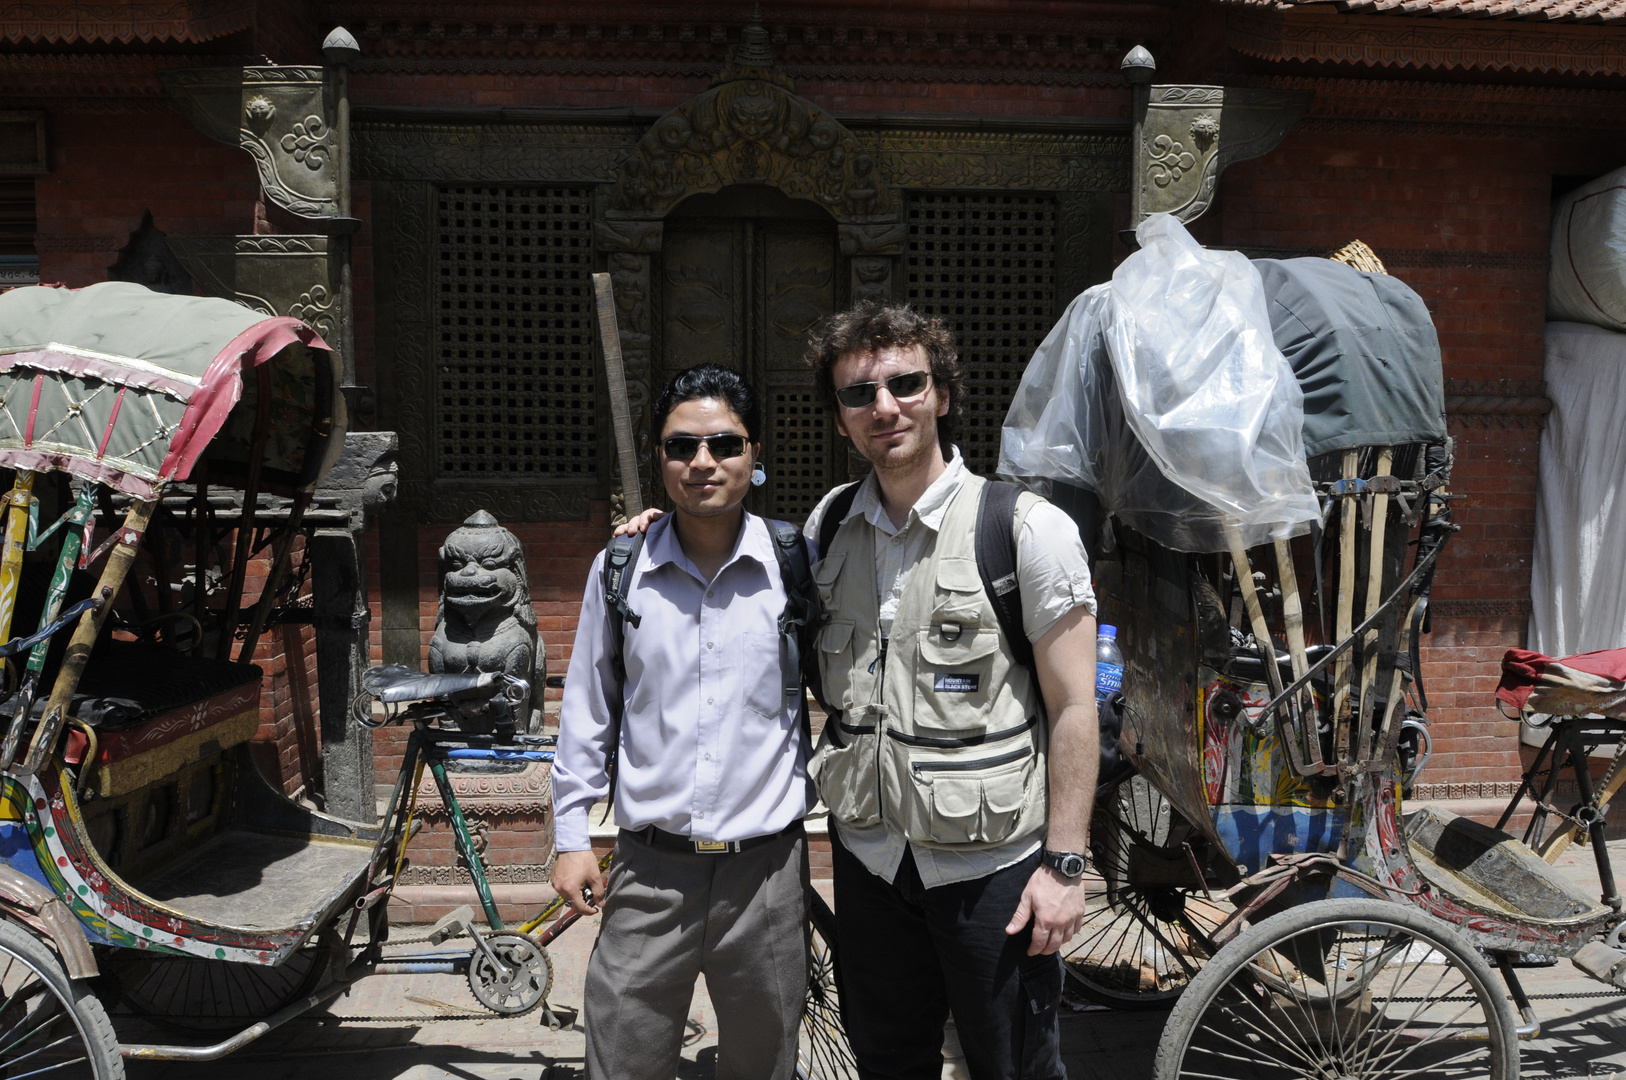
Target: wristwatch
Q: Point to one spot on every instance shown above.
(1069, 864)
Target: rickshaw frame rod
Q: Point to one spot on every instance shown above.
(1272, 709)
(1284, 872)
(160, 1052)
(1531, 1028)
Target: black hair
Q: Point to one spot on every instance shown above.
(709, 381)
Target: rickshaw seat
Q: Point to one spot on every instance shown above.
(156, 710)
(1593, 682)
(398, 683)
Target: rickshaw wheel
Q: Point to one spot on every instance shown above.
(53, 1026)
(1356, 989)
(1142, 942)
(191, 994)
(524, 989)
(822, 1052)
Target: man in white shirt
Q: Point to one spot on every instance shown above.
(959, 776)
(710, 868)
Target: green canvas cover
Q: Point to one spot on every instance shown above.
(125, 386)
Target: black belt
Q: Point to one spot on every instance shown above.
(670, 841)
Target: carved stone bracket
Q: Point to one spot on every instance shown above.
(283, 117)
(1191, 134)
(1503, 403)
(279, 275)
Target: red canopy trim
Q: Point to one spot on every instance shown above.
(222, 387)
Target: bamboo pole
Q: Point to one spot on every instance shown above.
(1293, 623)
(1374, 595)
(1256, 611)
(86, 633)
(11, 559)
(1344, 622)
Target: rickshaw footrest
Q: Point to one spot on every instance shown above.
(1602, 963)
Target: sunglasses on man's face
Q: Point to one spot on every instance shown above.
(685, 447)
(902, 387)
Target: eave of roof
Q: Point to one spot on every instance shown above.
(1546, 11)
(186, 21)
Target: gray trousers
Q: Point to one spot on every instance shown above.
(741, 919)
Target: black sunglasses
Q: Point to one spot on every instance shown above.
(909, 384)
(685, 447)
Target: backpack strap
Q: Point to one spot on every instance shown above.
(996, 563)
(834, 514)
(620, 559)
(800, 619)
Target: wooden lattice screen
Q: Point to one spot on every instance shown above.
(985, 263)
(515, 377)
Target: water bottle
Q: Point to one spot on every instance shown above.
(1109, 664)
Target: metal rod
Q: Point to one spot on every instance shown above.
(465, 844)
(243, 545)
(281, 554)
(160, 1052)
(615, 373)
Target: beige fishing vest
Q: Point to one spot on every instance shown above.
(945, 739)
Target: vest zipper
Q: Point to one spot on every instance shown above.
(970, 740)
(919, 767)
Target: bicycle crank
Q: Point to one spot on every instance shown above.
(510, 973)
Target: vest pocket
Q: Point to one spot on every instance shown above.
(954, 680)
(975, 801)
(836, 663)
(848, 775)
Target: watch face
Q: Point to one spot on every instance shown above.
(1072, 865)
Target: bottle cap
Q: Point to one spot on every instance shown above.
(1106, 631)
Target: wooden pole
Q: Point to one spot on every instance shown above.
(620, 407)
(11, 560)
(1344, 622)
(86, 633)
(1293, 623)
(1256, 611)
(1374, 596)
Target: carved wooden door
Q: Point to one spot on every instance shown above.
(745, 274)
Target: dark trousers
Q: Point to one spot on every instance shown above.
(908, 956)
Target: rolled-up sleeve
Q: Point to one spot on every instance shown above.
(1052, 568)
(592, 702)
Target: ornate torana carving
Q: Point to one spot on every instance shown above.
(485, 621)
(279, 275)
(1190, 134)
(280, 116)
(752, 128)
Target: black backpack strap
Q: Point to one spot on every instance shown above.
(800, 619)
(620, 560)
(996, 562)
(834, 514)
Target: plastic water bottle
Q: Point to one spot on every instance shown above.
(1109, 664)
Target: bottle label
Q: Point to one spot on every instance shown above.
(1109, 679)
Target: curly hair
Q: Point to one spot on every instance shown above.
(867, 327)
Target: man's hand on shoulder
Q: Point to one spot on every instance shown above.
(641, 523)
(1055, 906)
(574, 871)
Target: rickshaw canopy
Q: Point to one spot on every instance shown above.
(128, 387)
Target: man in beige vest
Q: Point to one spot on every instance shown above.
(959, 781)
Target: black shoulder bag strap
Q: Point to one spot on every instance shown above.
(996, 562)
(620, 559)
(800, 619)
(834, 514)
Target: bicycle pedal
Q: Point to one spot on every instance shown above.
(452, 924)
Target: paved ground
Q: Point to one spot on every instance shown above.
(383, 1030)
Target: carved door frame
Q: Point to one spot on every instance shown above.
(749, 128)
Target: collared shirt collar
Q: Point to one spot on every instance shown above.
(928, 509)
(663, 547)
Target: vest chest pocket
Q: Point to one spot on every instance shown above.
(836, 664)
(956, 680)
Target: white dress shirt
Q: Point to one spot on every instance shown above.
(1054, 576)
(711, 748)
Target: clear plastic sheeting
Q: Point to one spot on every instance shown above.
(1165, 394)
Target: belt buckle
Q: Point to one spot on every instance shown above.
(706, 847)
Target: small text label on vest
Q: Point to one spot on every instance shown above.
(950, 682)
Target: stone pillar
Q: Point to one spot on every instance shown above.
(361, 482)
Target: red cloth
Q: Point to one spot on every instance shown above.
(1522, 670)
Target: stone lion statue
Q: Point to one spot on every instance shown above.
(485, 621)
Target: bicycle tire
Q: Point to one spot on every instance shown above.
(1234, 1011)
(35, 991)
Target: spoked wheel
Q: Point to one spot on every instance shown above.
(823, 1053)
(1343, 990)
(1148, 927)
(48, 1026)
(194, 995)
(525, 980)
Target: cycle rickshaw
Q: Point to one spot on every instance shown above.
(1256, 865)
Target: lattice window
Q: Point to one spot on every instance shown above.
(800, 465)
(987, 265)
(515, 393)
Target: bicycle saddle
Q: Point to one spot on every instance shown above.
(397, 683)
